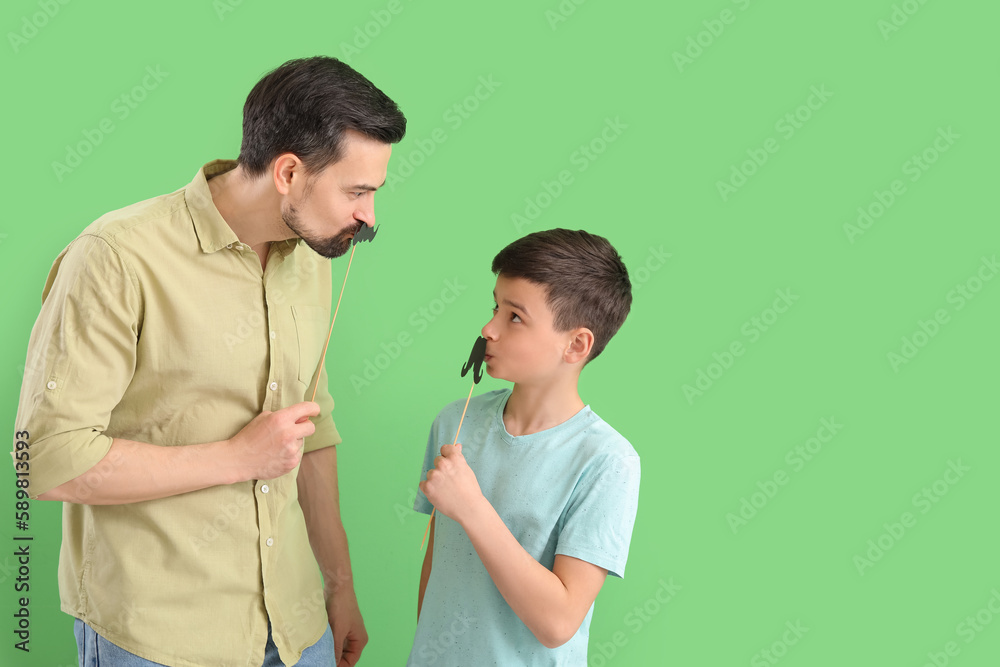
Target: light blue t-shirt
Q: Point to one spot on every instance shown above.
(572, 489)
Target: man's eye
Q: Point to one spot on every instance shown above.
(495, 308)
(514, 317)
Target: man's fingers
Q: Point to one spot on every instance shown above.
(352, 653)
(303, 409)
(305, 429)
(338, 646)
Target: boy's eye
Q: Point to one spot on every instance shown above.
(514, 317)
(495, 309)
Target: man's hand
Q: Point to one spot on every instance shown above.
(271, 444)
(349, 634)
(451, 486)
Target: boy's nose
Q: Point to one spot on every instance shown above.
(487, 331)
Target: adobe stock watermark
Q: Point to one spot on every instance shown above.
(796, 458)
(32, 23)
(779, 647)
(713, 28)
(581, 158)
(7, 569)
(224, 519)
(224, 7)
(635, 620)
(926, 330)
(562, 12)
(128, 614)
(364, 34)
(404, 509)
(309, 606)
(121, 108)
(923, 500)
(655, 260)
(314, 603)
(454, 116)
(32, 368)
(786, 126)
(88, 482)
(462, 623)
(254, 322)
(419, 320)
(968, 629)
(752, 330)
(900, 15)
(914, 167)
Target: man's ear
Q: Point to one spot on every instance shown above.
(286, 168)
(581, 342)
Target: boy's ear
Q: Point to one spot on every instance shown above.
(581, 342)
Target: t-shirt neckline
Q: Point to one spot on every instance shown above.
(545, 434)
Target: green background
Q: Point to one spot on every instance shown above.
(889, 89)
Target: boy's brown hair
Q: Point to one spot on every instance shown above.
(584, 277)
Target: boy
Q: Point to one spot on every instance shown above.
(537, 507)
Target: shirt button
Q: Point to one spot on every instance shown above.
(273, 334)
(269, 542)
(230, 246)
(273, 385)
(51, 384)
(265, 488)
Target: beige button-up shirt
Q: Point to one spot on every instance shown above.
(158, 325)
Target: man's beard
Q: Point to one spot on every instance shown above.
(330, 247)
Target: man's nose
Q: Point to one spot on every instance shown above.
(366, 214)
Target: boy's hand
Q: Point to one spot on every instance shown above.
(451, 486)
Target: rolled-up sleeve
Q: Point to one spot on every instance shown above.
(326, 434)
(81, 357)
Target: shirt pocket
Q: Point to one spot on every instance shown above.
(311, 328)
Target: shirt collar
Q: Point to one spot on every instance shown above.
(213, 231)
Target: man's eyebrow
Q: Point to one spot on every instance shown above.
(365, 186)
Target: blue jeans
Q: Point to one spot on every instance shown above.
(96, 651)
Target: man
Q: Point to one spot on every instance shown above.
(164, 402)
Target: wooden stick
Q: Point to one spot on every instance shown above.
(319, 370)
(433, 509)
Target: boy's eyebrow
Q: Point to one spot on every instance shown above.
(511, 303)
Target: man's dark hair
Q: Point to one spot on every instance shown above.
(304, 107)
(585, 279)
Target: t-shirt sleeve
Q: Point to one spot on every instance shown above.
(597, 523)
(421, 504)
(81, 358)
